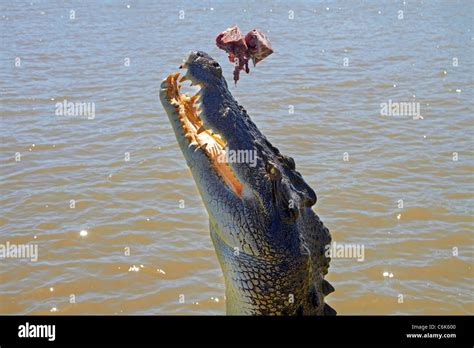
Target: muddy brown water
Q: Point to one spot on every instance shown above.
(147, 239)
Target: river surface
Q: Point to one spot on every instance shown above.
(401, 186)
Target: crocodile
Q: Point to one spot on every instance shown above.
(269, 242)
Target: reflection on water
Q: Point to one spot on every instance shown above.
(109, 201)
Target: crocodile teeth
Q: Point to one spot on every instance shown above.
(201, 129)
(192, 144)
(200, 147)
(194, 97)
(175, 76)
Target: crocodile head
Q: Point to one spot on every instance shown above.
(269, 242)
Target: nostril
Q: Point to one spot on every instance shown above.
(199, 54)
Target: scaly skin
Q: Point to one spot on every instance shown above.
(269, 242)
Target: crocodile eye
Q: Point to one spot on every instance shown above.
(272, 171)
